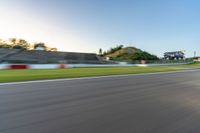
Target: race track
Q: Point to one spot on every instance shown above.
(154, 103)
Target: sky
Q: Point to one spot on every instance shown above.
(156, 26)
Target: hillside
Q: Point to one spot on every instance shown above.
(128, 53)
(126, 50)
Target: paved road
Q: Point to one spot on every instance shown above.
(161, 103)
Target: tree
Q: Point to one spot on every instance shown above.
(40, 46)
(100, 51)
(112, 50)
(2, 45)
(13, 41)
(21, 44)
(18, 47)
(52, 49)
(144, 56)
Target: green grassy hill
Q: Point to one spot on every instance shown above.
(129, 54)
(127, 51)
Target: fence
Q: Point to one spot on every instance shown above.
(61, 66)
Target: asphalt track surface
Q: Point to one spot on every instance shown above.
(154, 103)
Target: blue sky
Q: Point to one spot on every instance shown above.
(156, 26)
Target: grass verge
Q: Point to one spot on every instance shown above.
(29, 75)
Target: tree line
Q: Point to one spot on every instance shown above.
(15, 43)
